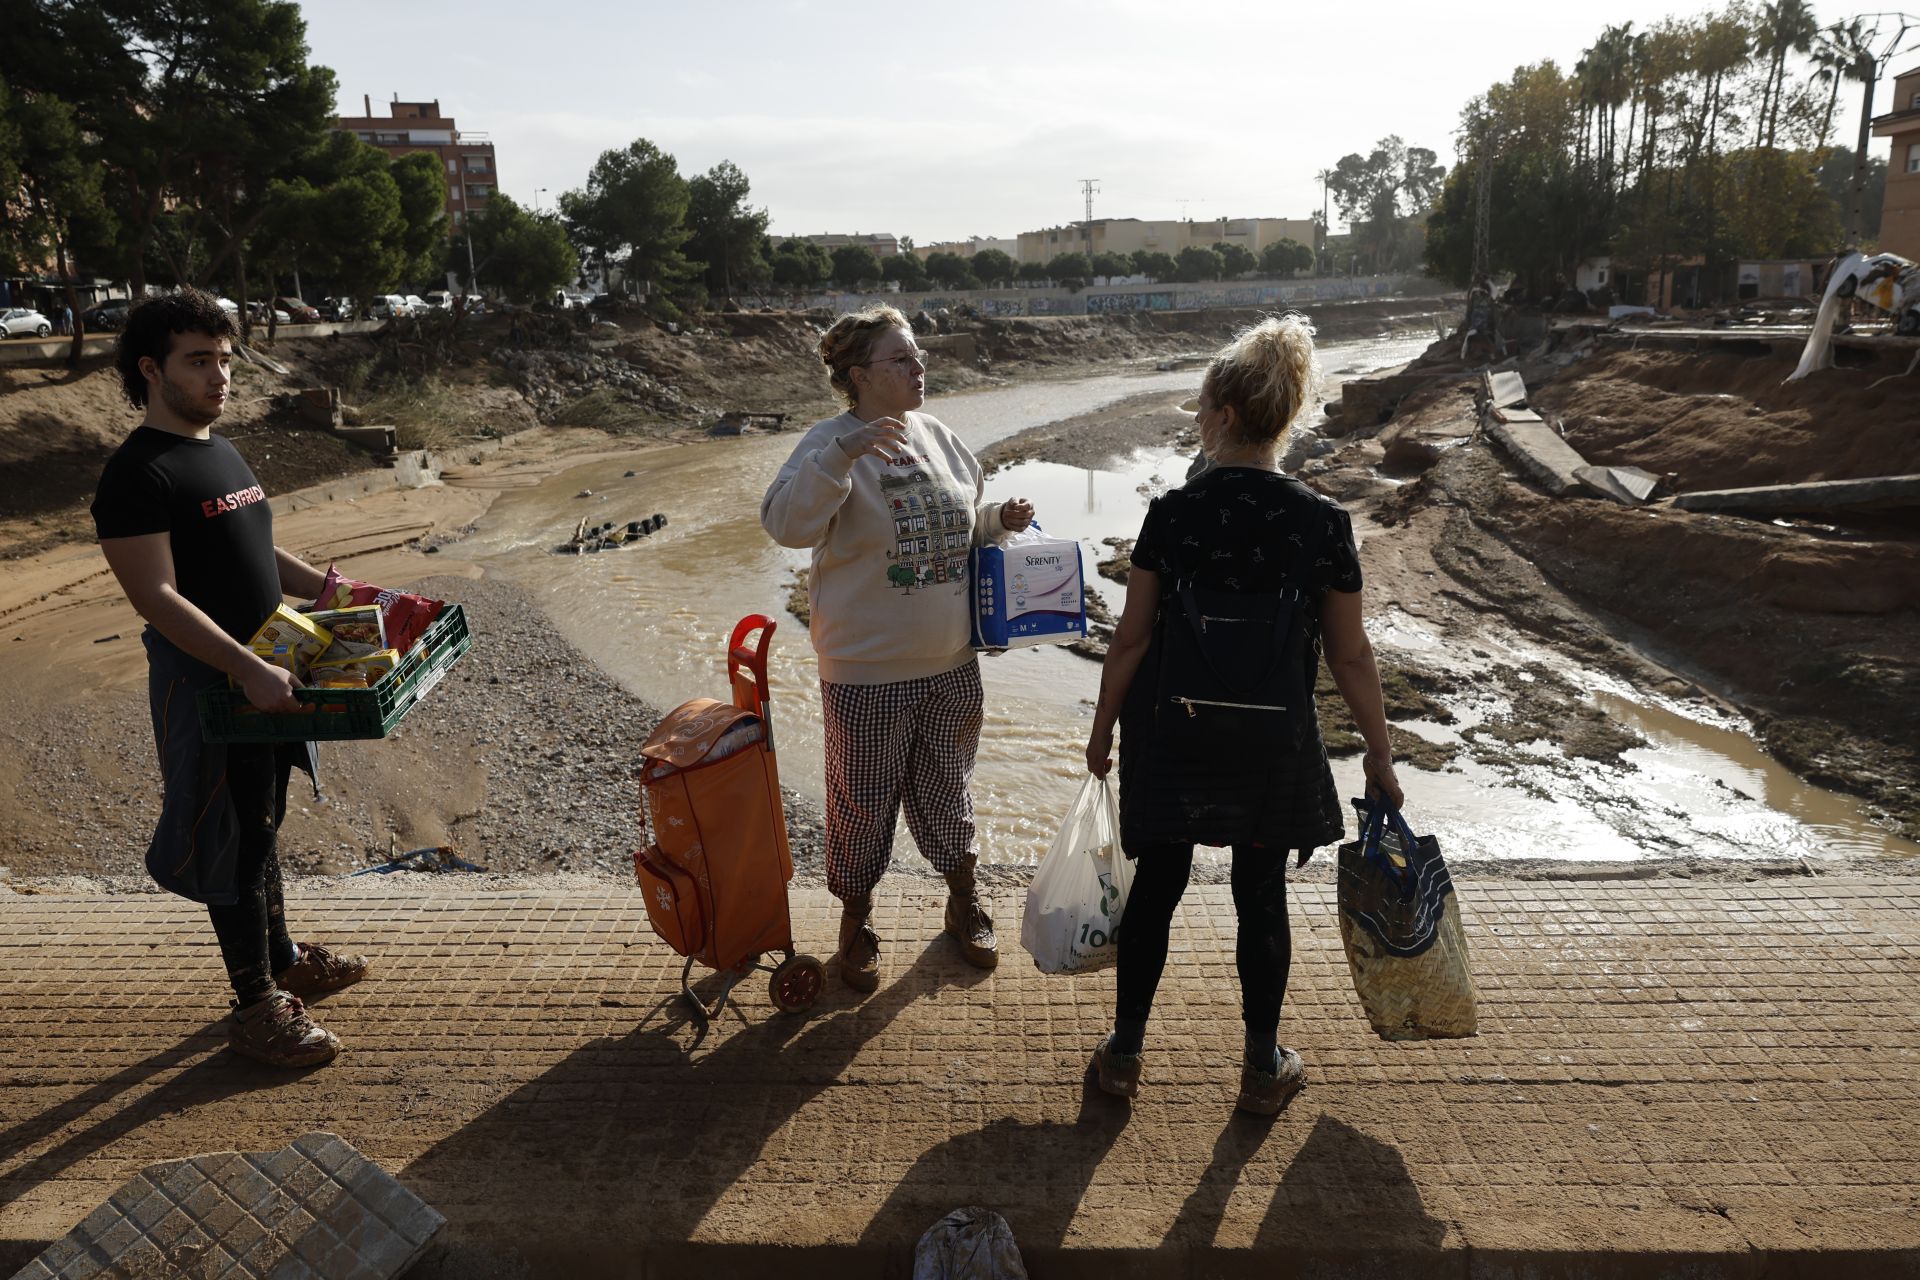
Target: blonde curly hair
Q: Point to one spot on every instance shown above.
(1268, 374)
(850, 341)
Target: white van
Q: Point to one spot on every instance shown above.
(385, 306)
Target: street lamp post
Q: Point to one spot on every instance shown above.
(537, 193)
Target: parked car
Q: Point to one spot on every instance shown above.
(111, 314)
(259, 311)
(385, 306)
(24, 320)
(417, 305)
(440, 300)
(300, 311)
(229, 306)
(338, 308)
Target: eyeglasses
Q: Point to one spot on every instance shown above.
(905, 358)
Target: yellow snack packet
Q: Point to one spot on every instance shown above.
(369, 668)
(291, 640)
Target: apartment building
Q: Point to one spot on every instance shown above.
(968, 247)
(884, 244)
(1131, 235)
(419, 126)
(1900, 214)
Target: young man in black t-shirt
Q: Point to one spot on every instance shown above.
(188, 533)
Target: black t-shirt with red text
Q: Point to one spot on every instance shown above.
(203, 494)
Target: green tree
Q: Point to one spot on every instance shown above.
(1195, 263)
(907, 270)
(801, 264)
(855, 265)
(947, 269)
(60, 212)
(1111, 265)
(723, 232)
(1069, 267)
(994, 267)
(1285, 257)
(347, 220)
(523, 256)
(1235, 260)
(1033, 272)
(1155, 266)
(1836, 179)
(226, 104)
(1381, 191)
(633, 211)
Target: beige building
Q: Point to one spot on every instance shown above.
(883, 243)
(1900, 214)
(1131, 235)
(968, 247)
(418, 126)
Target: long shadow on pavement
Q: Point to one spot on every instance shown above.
(1343, 1193)
(218, 1075)
(630, 1141)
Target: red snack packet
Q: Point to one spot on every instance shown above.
(404, 615)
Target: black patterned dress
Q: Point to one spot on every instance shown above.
(1238, 529)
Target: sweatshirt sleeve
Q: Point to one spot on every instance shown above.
(986, 515)
(808, 493)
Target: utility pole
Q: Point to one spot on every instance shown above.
(1857, 194)
(1482, 210)
(1088, 189)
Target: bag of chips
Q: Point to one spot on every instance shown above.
(404, 616)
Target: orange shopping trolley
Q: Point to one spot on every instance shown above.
(714, 863)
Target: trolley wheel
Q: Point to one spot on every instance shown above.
(797, 983)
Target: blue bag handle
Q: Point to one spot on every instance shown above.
(1376, 817)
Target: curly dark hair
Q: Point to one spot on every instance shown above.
(150, 329)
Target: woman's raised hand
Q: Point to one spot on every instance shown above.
(883, 438)
(1016, 514)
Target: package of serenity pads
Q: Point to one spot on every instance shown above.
(1028, 590)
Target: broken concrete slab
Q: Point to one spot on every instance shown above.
(1629, 486)
(1875, 493)
(1542, 455)
(1506, 388)
(1513, 413)
(316, 1209)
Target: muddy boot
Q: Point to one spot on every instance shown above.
(859, 954)
(968, 921)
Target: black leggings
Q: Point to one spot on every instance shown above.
(1263, 947)
(254, 941)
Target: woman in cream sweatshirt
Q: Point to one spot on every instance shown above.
(889, 500)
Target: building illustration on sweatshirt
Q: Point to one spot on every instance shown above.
(932, 530)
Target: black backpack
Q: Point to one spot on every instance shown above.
(1232, 669)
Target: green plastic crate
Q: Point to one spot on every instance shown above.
(227, 716)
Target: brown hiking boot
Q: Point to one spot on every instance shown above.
(1264, 1093)
(859, 954)
(319, 970)
(1116, 1073)
(278, 1032)
(968, 921)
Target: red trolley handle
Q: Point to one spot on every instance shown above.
(753, 660)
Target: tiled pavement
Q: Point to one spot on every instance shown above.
(1672, 1077)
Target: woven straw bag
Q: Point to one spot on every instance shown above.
(1400, 925)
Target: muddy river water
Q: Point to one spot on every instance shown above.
(657, 617)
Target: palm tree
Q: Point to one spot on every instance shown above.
(1785, 25)
(1843, 52)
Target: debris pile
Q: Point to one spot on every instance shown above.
(552, 378)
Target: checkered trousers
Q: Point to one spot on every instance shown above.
(911, 741)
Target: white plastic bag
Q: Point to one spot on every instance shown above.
(1072, 921)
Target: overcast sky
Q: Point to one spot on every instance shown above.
(941, 122)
